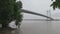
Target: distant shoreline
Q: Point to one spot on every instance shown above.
(41, 20)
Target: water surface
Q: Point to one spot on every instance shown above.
(37, 27)
(40, 27)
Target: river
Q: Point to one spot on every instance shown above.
(38, 27)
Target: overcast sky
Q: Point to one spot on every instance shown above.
(39, 6)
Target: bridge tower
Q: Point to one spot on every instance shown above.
(48, 14)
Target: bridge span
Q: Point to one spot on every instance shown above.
(30, 12)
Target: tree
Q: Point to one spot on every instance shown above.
(10, 10)
(56, 4)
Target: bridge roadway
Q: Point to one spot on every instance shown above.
(30, 12)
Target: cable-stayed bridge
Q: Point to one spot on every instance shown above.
(34, 13)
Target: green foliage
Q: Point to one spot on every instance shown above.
(56, 4)
(10, 10)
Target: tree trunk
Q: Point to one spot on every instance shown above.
(4, 25)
